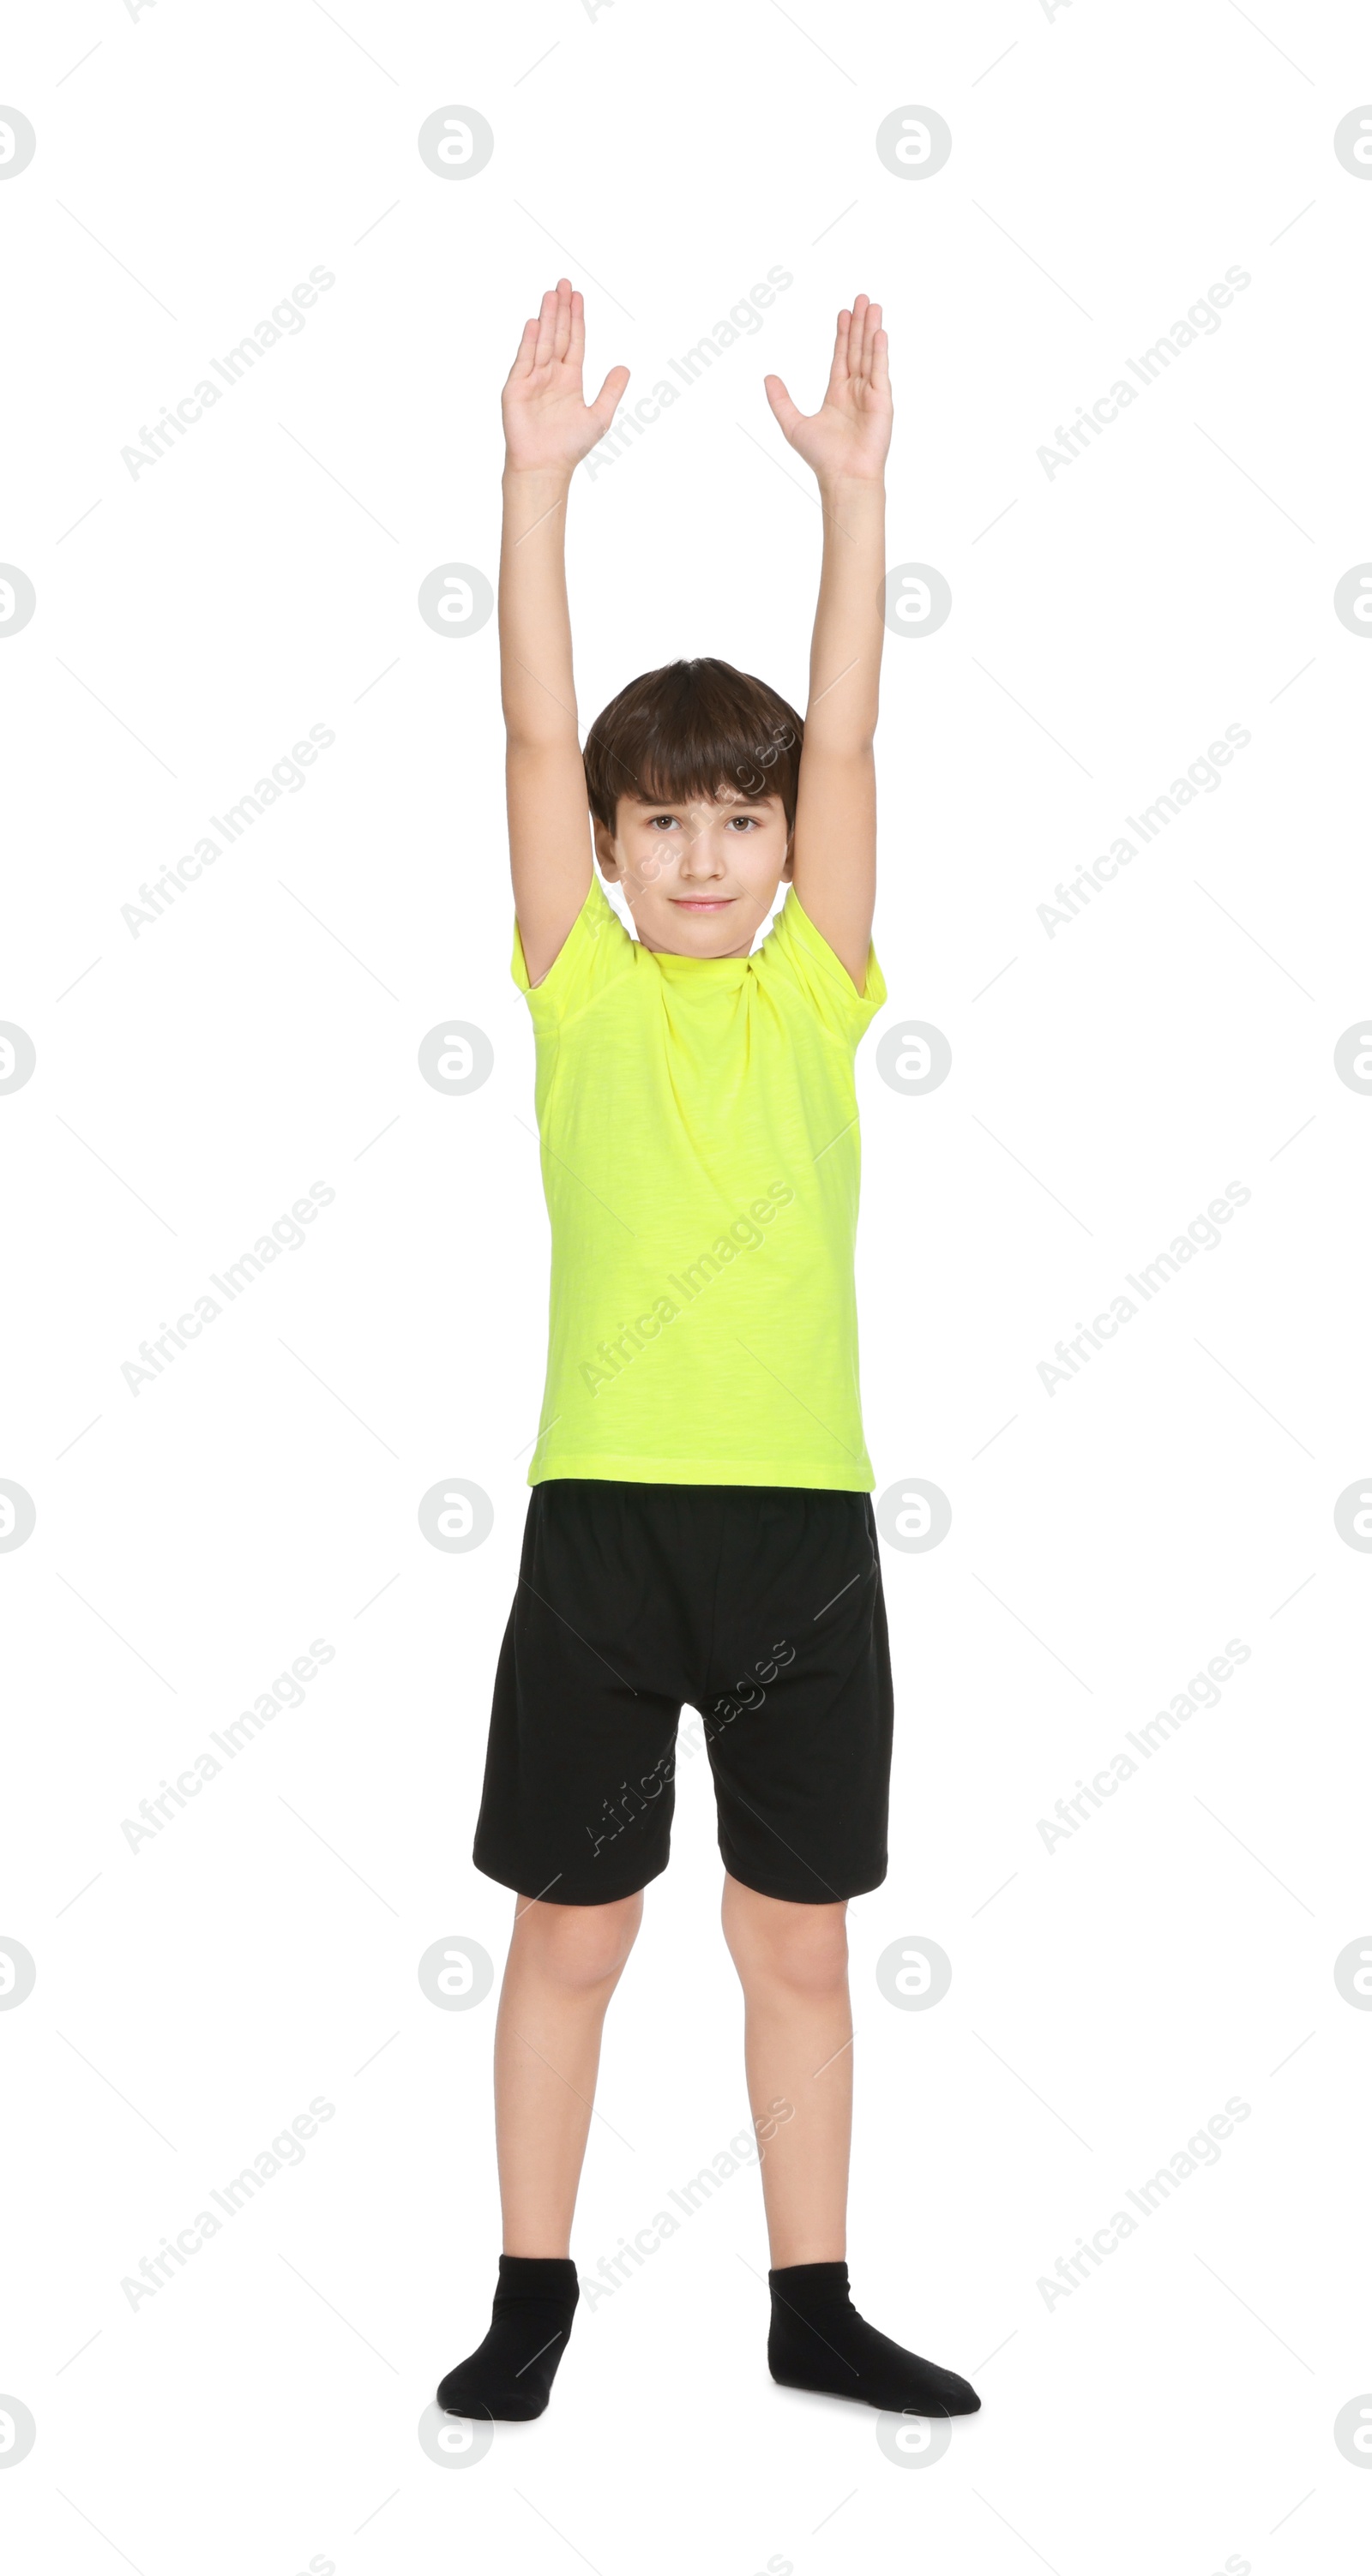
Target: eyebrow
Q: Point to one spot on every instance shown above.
(682, 804)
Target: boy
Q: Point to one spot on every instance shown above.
(700, 1528)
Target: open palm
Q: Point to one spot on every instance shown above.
(548, 424)
(851, 432)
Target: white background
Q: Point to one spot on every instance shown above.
(1108, 1997)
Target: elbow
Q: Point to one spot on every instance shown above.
(847, 731)
(533, 734)
(846, 745)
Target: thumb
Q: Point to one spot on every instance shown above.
(607, 401)
(784, 411)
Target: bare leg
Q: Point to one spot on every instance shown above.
(564, 1964)
(792, 1962)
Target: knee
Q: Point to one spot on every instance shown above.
(581, 1946)
(802, 1949)
(812, 1961)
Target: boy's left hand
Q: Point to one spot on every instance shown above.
(847, 438)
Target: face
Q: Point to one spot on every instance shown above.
(700, 878)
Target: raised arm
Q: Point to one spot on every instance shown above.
(834, 855)
(548, 429)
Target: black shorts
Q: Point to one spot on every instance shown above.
(759, 1605)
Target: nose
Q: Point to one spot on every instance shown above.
(703, 859)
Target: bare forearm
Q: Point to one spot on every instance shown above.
(537, 688)
(845, 655)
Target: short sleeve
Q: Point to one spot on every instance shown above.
(595, 951)
(800, 953)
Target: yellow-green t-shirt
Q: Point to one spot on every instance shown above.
(701, 1162)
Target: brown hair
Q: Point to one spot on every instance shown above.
(696, 728)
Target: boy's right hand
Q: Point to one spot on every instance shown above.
(548, 427)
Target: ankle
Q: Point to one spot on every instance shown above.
(538, 2276)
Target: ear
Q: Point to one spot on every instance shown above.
(605, 851)
(789, 860)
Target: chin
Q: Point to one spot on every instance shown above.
(727, 926)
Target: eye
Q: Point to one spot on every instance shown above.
(749, 822)
(668, 819)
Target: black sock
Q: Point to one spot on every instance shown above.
(510, 2374)
(819, 2341)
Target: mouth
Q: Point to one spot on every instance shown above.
(702, 903)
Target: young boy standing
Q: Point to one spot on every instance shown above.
(700, 1528)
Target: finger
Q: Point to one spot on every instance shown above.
(547, 320)
(871, 328)
(784, 411)
(881, 372)
(524, 354)
(838, 372)
(609, 398)
(576, 346)
(562, 328)
(860, 337)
